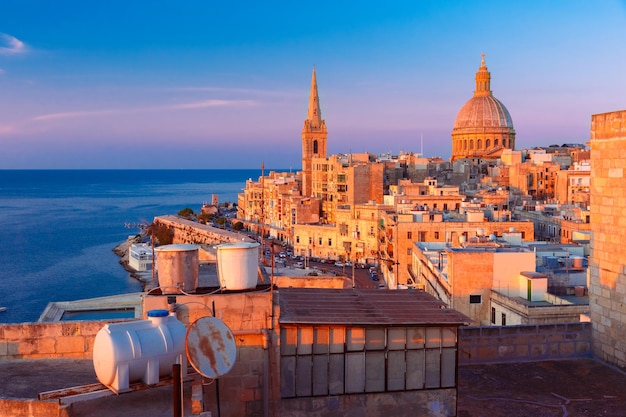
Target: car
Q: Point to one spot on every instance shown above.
(374, 276)
(348, 263)
(299, 265)
(282, 255)
(339, 264)
(359, 265)
(329, 261)
(381, 286)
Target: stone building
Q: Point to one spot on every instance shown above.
(314, 138)
(493, 283)
(399, 232)
(608, 227)
(483, 127)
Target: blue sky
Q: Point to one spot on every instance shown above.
(193, 84)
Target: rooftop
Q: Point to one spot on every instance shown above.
(364, 307)
(580, 387)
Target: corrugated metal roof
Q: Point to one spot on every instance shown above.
(364, 307)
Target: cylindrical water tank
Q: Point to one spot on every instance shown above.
(141, 350)
(578, 261)
(177, 268)
(237, 265)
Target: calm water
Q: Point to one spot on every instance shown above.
(58, 228)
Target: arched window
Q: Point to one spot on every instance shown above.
(487, 143)
(495, 142)
(465, 144)
(504, 142)
(314, 146)
(471, 144)
(479, 144)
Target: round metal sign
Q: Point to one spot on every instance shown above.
(211, 347)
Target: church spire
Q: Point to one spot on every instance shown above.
(483, 80)
(315, 113)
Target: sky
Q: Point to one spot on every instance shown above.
(208, 85)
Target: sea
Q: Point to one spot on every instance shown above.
(58, 228)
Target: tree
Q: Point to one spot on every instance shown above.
(205, 217)
(186, 213)
(163, 234)
(221, 221)
(238, 226)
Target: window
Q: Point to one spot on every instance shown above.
(437, 235)
(297, 239)
(315, 146)
(408, 251)
(475, 299)
(503, 319)
(371, 230)
(330, 242)
(319, 240)
(336, 360)
(409, 235)
(422, 237)
(493, 315)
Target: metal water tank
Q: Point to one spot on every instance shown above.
(578, 261)
(141, 350)
(238, 265)
(177, 268)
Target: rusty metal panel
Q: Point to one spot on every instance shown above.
(320, 375)
(337, 339)
(433, 368)
(355, 338)
(336, 367)
(320, 340)
(304, 377)
(448, 367)
(396, 369)
(355, 372)
(288, 339)
(375, 338)
(448, 336)
(415, 337)
(375, 371)
(415, 369)
(396, 338)
(433, 337)
(287, 380)
(305, 340)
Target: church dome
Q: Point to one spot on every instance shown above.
(483, 127)
(481, 112)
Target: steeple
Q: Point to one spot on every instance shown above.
(314, 135)
(483, 80)
(315, 113)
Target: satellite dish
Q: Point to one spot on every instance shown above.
(210, 346)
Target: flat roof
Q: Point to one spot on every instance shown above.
(364, 307)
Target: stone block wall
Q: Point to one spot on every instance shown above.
(61, 340)
(525, 343)
(607, 269)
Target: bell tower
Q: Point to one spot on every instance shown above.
(314, 136)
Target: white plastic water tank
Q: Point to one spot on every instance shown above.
(237, 265)
(141, 350)
(177, 268)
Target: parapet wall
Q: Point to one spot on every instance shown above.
(63, 340)
(189, 232)
(490, 344)
(525, 343)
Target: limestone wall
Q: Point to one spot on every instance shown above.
(49, 340)
(607, 270)
(526, 343)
